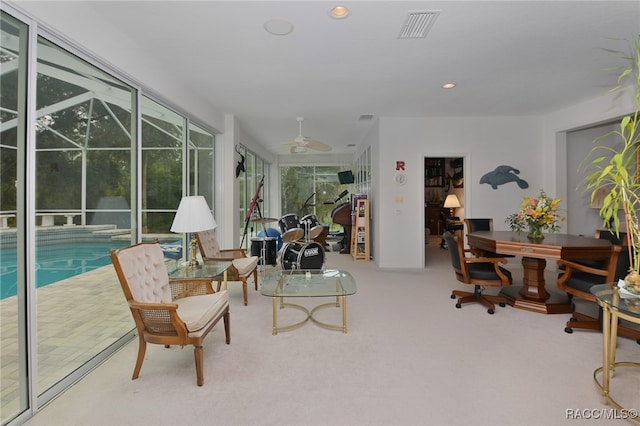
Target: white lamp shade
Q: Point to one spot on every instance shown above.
(193, 215)
(451, 201)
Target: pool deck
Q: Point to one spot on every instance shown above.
(76, 318)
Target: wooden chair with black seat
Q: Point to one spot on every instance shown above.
(242, 265)
(481, 224)
(576, 279)
(168, 312)
(480, 272)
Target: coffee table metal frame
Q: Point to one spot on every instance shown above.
(281, 284)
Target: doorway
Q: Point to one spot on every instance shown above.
(443, 194)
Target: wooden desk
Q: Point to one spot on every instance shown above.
(532, 295)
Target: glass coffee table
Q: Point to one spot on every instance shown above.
(280, 284)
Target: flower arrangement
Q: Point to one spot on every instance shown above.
(536, 214)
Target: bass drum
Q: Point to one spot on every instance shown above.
(302, 256)
(269, 244)
(312, 229)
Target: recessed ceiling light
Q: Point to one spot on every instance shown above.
(448, 85)
(339, 12)
(278, 27)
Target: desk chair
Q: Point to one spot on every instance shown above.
(481, 224)
(577, 278)
(450, 224)
(479, 272)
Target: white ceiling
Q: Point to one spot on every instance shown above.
(506, 57)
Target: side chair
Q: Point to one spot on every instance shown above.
(479, 272)
(481, 224)
(577, 278)
(450, 224)
(242, 266)
(168, 312)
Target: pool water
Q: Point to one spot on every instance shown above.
(56, 262)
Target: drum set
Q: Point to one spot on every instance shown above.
(298, 251)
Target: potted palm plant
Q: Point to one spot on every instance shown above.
(615, 172)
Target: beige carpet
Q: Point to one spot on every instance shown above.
(410, 358)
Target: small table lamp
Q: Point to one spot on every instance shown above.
(451, 202)
(193, 216)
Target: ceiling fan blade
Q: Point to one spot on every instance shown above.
(301, 143)
(317, 145)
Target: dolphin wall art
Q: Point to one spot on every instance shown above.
(502, 175)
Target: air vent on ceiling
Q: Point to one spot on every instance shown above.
(418, 24)
(365, 117)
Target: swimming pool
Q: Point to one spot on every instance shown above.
(55, 262)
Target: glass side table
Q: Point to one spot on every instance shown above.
(280, 284)
(616, 304)
(208, 269)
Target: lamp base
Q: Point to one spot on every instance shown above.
(194, 264)
(193, 261)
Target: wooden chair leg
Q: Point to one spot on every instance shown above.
(142, 347)
(486, 303)
(197, 352)
(244, 290)
(227, 327)
(629, 333)
(582, 321)
(485, 300)
(496, 299)
(255, 278)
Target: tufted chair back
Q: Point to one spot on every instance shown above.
(145, 273)
(209, 246)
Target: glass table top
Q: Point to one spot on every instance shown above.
(314, 283)
(209, 269)
(617, 299)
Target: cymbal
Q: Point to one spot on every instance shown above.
(264, 220)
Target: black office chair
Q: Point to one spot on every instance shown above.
(482, 224)
(577, 278)
(477, 271)
(478, 224)
(450, 224)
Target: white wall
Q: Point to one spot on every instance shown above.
(581, 218)
(484, 142)
(537, 146)
(565, 125)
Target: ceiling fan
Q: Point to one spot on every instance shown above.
(301, 143)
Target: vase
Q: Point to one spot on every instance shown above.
(535, 232)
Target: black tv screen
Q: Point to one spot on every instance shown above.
(345, 177)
